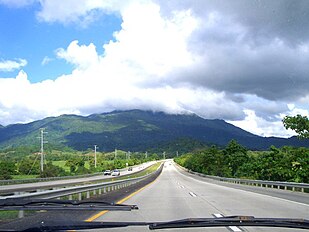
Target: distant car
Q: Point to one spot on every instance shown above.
(107, 172)
(130, 169)
(115, 172)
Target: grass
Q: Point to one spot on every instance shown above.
(18, 177)
(6, 216)
(61, 164)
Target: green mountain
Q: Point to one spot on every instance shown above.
(135, 130)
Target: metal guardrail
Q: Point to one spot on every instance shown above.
(293, 186)
(34, 180)
(82, 192)
(77, 191)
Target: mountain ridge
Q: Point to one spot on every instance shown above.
(135, 130)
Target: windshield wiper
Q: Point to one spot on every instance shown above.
(233, 221)
(54, 204)
(243, 221)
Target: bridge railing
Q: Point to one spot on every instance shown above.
(293, 186)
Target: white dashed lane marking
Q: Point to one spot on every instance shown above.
(232, 228)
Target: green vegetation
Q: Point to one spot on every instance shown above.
(278, 164)
(65, 162)
(133, 130)
(298, 123)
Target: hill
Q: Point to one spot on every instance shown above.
(135, 130)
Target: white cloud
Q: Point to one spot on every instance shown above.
(197, 58)
(46, 60)
(262, 127)
(11, 65)
(81, 56)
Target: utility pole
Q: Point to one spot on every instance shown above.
(146, 155)
(42, 132)
(177, 153)
(115, 154)
(164, 155)
(95, 156)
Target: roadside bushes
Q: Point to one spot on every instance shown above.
(277, 164)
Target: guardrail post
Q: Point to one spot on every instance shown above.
(70, 197)
(79, 196)
(100, 191)
(21, 214)
(87, 194)
(94, 192)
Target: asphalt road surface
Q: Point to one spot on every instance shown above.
(40, 185)
(177, 195)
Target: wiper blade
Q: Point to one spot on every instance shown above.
(233, 221)
(55, 204)
(78, 225)
(185, 223)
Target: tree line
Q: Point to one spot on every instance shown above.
(73, 163)
(277, 164)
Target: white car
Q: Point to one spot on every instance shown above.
(107, 172)
(116, 172)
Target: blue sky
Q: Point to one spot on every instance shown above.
(242, 61)
(26, 37)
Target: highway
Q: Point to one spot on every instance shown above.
(66, 182)
(177, 195)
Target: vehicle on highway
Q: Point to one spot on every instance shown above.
(107, 172)
(115, 172)
(130, 169)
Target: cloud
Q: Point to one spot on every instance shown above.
(46, 60)
(11, 65)
(81, 12)
(242, 61)
(80, 56)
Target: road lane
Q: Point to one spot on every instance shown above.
(47, 184)
(175, 195)
(280, 193)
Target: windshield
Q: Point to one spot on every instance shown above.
(194, 109)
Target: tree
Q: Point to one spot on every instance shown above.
(298, 123)
(74, 163)
(51, 170)
(29, 165)
(7, 168)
